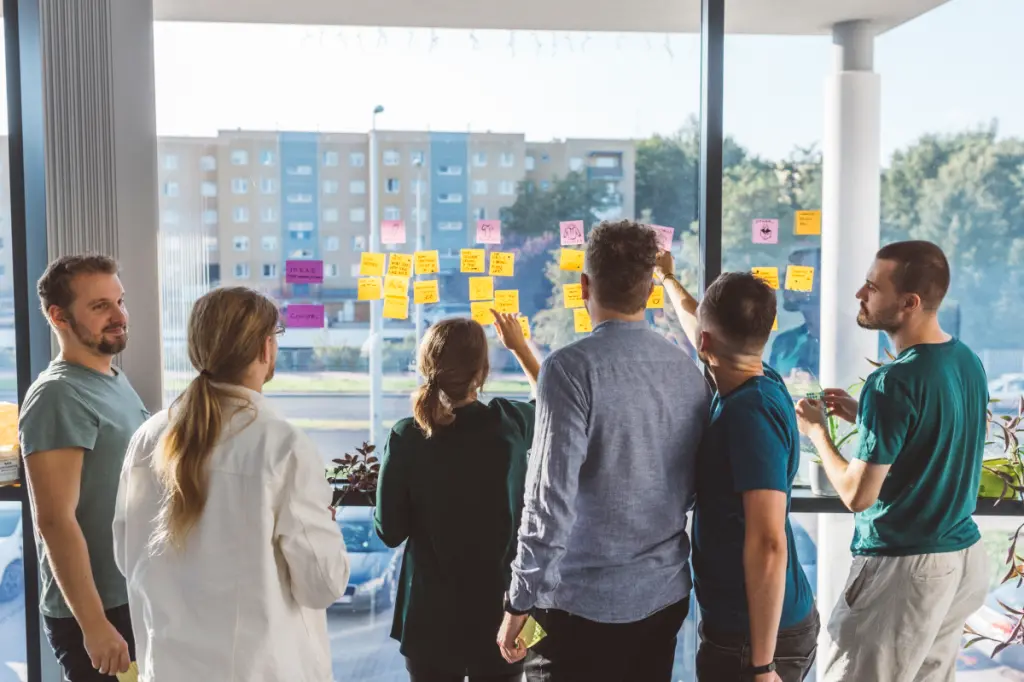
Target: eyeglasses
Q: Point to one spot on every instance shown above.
(279, 330)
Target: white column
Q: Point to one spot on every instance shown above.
(851, 199)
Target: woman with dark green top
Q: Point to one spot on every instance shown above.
(451, 487)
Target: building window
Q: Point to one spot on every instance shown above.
(267, 186)
(239, 186)
(507, 188)
(269, 243)
(354, 270)
(544, 158)
(241, 271)
(170, 217)
(240, 214)
(171, 189)
(480, 213)
(508, 159)
(330, 215)
(239, 157)
(171, 162)
(357, 215)
(449, 170)
(300, 235)
(332, 244)
(267, 157)
(392, 213)
(392, 186)
(208, 189)
(545, 185)
(449, 226)
(606, 161)
(268, 215)
(300, 226)
(241, 243)
(530, 163)
(330, 158)
(357, 187)
(208, 163)
(301, 253)
(480, 159)
(611, 188)
(449, 198)
(359, 244)
(479, 187)
(357, 159)
(209, 217)
(575, 164)
(331, 270)
(299, 170)
(416, 158)
(298, 198)
(269, 270)
(211, 243)
(392, 157)
(331, 186)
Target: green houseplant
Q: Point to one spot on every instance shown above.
(354, 477)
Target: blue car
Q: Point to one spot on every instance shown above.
(374, 567)
(807, 552)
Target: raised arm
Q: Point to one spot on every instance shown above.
(683, 304)
(510, 333)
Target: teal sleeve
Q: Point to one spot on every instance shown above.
(757, 447)
(55, 417)
(391, 517)
(884, 418)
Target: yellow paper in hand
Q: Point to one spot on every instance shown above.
(572, 259)
(800, 277)
(400, 264)
(481, 288)
(481, 312)
(371, 264)
(472, 260)
(396, 307)
(502, 264)
(396, 285)
(581, 321)
(532, 633)
(657, 298)
(506, 301)
(769, 276)
(572, 294)
(524, 322)
(133, 673)
(426, 291)
(369, 289)
(807, 222)
(427, 262)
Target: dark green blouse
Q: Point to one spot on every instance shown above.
(456, 500)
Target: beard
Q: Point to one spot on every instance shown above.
(101, 344)
(884, 321)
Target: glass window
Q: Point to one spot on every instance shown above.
(392, 157)
(239, 157)
(241, 271)
(479, 187)
(331, 270)
(239, 186)
(449, 170)
(359, 243)
(301, 169)
(480, 213)
(241, 243)
(529, 162)
(508, 159)
(208, 189)
(450, 226)
(392, 186)
(449, 198)
(332, 244)
(480, 159)
(171, 162)
(268, 214)
(330, 215)
(331, 158)
(299, 198)
(330, 186)
(392, 213)
(267, 157)
(416, 158)
(208, 163)
(507, 188)
(269, 243)
(268, 186)
(357, 187)
(171, 189)
(357, 159)
(209, 217)
(357, 215)
(269, 270)
(240, 214)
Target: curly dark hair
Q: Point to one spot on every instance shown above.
(742, 310)
(620, 263)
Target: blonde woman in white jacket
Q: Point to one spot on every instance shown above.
(222, 527)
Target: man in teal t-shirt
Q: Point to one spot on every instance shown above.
(919, 569)
(76, 422)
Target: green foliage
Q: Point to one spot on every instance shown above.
(537, 211)
(553, 327)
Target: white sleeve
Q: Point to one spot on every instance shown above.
(309, 538)
(120, 525)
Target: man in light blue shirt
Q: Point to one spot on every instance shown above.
(603, 552)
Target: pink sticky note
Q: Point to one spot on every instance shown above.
(488, 232)
(665, 235)
(392, 232)
(572, 232)
(305, 317)
(765, 231)
(304, 271)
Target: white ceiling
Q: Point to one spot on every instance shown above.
(795, 17)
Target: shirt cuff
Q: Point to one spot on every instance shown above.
(520, 596)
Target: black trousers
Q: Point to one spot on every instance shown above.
(722, 656)
(68, 644)
(422, 672)
(581, 650)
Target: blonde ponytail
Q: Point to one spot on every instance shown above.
(430, 410)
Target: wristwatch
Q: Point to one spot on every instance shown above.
(507, 605)
(753, 671)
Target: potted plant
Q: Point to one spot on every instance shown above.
(820, 485)
(354, 478)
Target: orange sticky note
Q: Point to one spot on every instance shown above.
(524, 322)
(481, 288)
(369, 289)
(426, 291)
(572, 294)
(396, 285)
(800, 277)
(775, 324)
(807, 222)
(396, 307)
(506, 301)
(581, 321)
(371, 264)
(657, 298)
(400, 264)
(769, 276)
(426, 262)
(502, 264)
(481, 312)
(472, 260)
(572, 259)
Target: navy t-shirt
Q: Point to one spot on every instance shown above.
(752, 443)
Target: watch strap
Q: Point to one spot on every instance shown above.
(507, 606)
(760, 669)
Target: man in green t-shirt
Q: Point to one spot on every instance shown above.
(919, 569)
(76, 421)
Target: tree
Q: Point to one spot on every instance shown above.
(537, 211)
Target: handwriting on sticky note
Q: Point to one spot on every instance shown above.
(396, 285)
(396, 307)
(304, 271)
(581, 321)
(481, 312)
(572, 294)
(572, 260)
(800, 278)
(764, 231)
(503, 264)
(301, 316)
(371, 264)
(392, 232)
(369, 289)
(472, 260)
(665, 236)
(807, 222)
(426, 291)
(488, 232)
(572, 232)
(524, 322)
(657, 298)
(427, 262)
(506, 300)
(400, 264)
(769, 276)
(481, 288)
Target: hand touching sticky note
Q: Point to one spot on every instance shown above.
(573, 295)
(581, 321)
(800, 278)
(807, 222)
(503, 264)
(769, 276)
(396, 307)
(396, 285)
(571, 260)
(400, 264)
(472, 260)
(524, 322)
(572, 232)
(427, 262)
(371, 264)
(481, 288)
(392, 232)
(506, 301)
(481, 312)
(426, 291)
(488, 232)
(657, 298)
(665, 236)
(369, 289)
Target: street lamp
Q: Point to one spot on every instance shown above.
(419, 247)
(376, 307)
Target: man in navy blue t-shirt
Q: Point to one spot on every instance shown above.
(758, 616)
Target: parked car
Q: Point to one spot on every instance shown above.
(12, 578)
(374, 567)
(807, 552)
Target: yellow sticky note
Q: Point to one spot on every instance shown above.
(427, 263)
(369, 289)
(426, 291)
(472, 260)
(396, 285)
(807, 222)
(524, 322)
(800, 277)
(400, 264)
(581, 321)
(133, 673)
(502, 264)
(573, 295)
(775, 324)
(506, 301)
(371, 264)
(769, 276)
(657, 298)
(396, 307)
(481, 312)
(572, 259)
(481, 288)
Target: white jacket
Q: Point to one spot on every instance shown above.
(245, 600)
